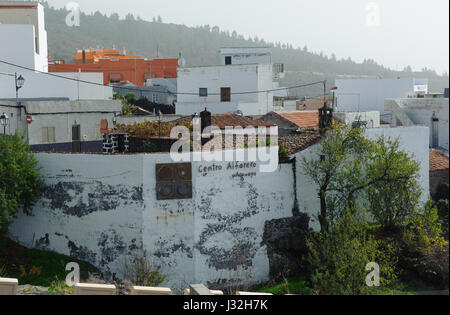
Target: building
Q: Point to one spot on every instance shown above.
(117, 67)
(22, 27)
(293, 122)
(439, 170)
(60, 124)
(431, 112)
(369, 94)
(243, 82)
(158, 94)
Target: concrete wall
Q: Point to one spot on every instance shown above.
(369, 94)
(240, 78)
(103, 209)
(413, 140)
(61, 115)
(420, 111)
(240, 56)
(372, 118)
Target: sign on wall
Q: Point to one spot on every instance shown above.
(173, 181)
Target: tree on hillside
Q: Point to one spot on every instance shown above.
(353, 172)
(21, 185)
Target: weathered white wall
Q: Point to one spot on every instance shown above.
(420, 111)
(103, 209)
(240, 78)
(372, 118)
(369, 94)
(249, 55)
(413, 140)
(61, 115)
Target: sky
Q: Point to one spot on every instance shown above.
(395, 33)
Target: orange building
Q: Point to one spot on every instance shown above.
(117, 67)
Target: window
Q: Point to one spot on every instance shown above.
(155, 98)
(228, 60)
(48, 135)
(225, 94)
(203, 92)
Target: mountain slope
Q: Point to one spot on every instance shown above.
(199, 46)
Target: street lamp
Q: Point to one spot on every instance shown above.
(4, 122)
(20, 81)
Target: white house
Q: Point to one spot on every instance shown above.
(243, 82)
(369, 94)
(24, 43)
(431, 112)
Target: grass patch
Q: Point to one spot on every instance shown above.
(37, 267)
(289, 286)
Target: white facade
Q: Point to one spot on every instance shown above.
(245, 56)
(24, 43)
(239, 78)
(420, 111)
(413, 140)
(369, 94)
(60, 116)
(27, 41)
(369, 119)
(103, 209)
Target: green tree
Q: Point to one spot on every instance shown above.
(21, 185)
(353, 172)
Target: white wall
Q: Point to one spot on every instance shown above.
(103, 209)
(38, 85)
(420, 111)
(240, 56)
(240, 78)
(372, 118)
(61, 115)
(369, 94)
(413, 140)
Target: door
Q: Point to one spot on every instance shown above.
(76, 138)
(225, 94)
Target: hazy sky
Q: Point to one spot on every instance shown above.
(395, 33)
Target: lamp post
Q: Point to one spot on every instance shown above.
(159, 127)
(4, 122)
(20, 81)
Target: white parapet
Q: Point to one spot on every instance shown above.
(215, 292)
(94, 289)
(138, 290)
(251, 293)
(8, 286)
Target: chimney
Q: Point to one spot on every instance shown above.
(124, 51)
(325, 118)
(434, 131)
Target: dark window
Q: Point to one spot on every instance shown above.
(203, 92)
(76, 138)
(225, 94)
(228, 60)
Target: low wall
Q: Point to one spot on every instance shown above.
(103, 209)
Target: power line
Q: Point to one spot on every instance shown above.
(140, 90)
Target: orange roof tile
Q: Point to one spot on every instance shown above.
(438, 161)
(302, 119)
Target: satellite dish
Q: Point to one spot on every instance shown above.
(181, 62)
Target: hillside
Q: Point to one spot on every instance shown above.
(199, 46)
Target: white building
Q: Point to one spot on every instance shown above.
(431, 112)
(369, 94)
(243, 82)
(22, 30)
(56, 123)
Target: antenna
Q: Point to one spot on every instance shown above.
(181, 60)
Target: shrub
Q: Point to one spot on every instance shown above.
(339, 257)
(20, 183)
(141, 271)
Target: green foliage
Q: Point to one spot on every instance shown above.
(338, 258)
(393, 193)
(21, 185)
(59, 287)
(2, 271)
(288, 286)
(127, 102)
(37, 267)
(141, 271)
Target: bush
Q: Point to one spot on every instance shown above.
(20, 183)
(142, 272)
(339, 257)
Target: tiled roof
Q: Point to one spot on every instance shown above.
(296, 143)
(438, 161)
(230, 120)
(302, 119)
